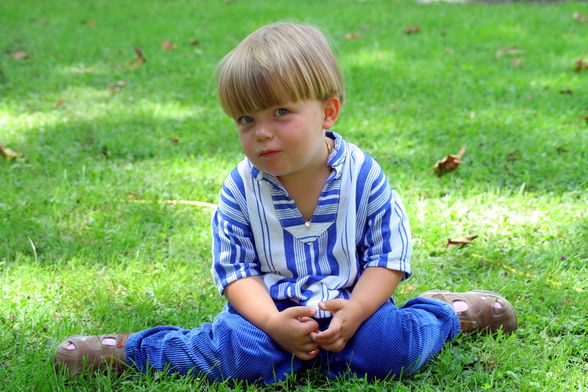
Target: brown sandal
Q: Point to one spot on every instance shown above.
(486, 311)
(77, 353)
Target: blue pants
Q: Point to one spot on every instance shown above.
(392, 341)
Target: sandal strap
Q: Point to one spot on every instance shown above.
(91, 353)
(481, 314)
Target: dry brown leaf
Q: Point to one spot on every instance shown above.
(579, 17)
(115, 88)
(7, 153)
(460, 241)
(174, 140)
(59, 103)
(411, 29)
(586, 118)
(510, 51)
(168, 45)
(355, 35)
(450, 163)
(20, 55)
(194, 41)
(566, 91)
(580, 63)
(140, 60)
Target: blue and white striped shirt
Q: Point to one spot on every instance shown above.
(359, 222)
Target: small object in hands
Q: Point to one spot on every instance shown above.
(460, 241)
(479, 310)
(450, 163)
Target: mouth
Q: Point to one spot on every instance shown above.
(268, 153)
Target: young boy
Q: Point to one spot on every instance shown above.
(309, 243)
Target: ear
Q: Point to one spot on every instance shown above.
(331, 109)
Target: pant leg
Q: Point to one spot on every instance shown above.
(395, 341)
(228, 348)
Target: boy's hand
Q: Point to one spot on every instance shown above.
(347, 317)
(291, 329)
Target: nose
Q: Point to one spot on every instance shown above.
(263, 132)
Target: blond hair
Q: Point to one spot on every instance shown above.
(278, 63)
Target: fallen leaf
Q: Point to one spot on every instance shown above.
(59, 103)
(194, 41)
(140, 60)
(411, 29)
(460, 241)
(450, 163)
(7, 153)
(579, 17)
(510, 51)
(566, 91)
(580, 63)
(174, 140)
(353, 35)
(586, 118)
(514, 156)
(20, 55)
(168, 45)
(115, 89)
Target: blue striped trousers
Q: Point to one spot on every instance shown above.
(392, 341)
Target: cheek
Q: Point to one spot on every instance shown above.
(247, 145)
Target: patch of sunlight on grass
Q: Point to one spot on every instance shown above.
(368, 56)
(81, 69)
(165, 110)
(493, 213)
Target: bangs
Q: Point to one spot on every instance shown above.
(277, 64)
(249, 87)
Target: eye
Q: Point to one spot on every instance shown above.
(244, 120)
(281, 112)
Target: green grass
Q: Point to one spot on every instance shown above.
(76, 257)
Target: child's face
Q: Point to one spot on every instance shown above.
(288, 139)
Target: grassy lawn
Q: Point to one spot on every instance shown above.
(97, 132)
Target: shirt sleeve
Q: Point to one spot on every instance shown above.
(387, 240)
(234, 255)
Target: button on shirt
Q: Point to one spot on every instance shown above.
(359, 222)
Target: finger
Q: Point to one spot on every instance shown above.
(333, 305)
(324, 337)
(329, 334)
(306, 356)
(300, 311)
(310, 326)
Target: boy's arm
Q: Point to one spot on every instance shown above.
(289, 328)
(375, 286)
